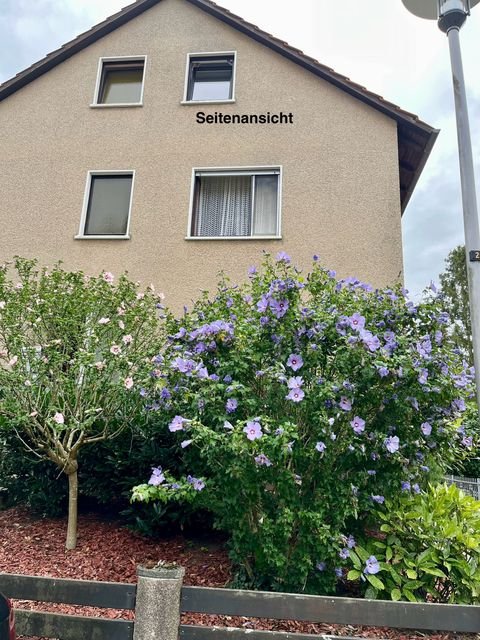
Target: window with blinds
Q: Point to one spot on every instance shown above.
(232, 204)
(210, 77)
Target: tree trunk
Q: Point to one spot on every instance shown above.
(71, 542)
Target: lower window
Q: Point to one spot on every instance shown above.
(235, 203)
(108, 204)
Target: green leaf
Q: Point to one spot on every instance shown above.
(376, 582)
(389, 554)
(409, 595)
(353, 574)
(412, 574)
(396, 594)
(434, 572)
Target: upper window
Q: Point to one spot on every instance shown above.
(107, 207)
(237, 203)
(120, 81)
(210, 77)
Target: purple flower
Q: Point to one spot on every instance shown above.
(279, 307)
(392, 443)
(252, 271)
(321, 566)
(297, 395)
(186, 443)
(378, 499)
(262, 460)
(344, 553)
(372, 566)
(177, 424)
(467, 441)
(231, 405)
(315, 258)
(459, 404)
(351, 542)
(184, 366)
(358, 425)
(423, 376)
(389, 336)
(406, 486)
(157, 477)
(320, 446)
(283, 257)
(228, 425)
(345, 403)
(426, 428)
(295, 383)
(415, 488)
(338, 572)
(197, 483)
(383, 372)
(253, 430)
(262, 304)
(424, 348)
(295, 362)
(357, 321)
(369, 340)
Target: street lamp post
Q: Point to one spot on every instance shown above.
(451, 15)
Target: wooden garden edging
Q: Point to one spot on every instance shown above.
(162, 586)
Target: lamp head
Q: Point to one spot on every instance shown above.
(435, 9)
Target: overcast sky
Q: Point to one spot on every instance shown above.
(377, 43)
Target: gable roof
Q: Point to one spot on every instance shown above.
(415, 138)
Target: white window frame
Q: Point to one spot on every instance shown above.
(83, 219)
(235, 171)
(210, 54)
(102, 105)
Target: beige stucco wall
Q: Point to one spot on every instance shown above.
(339, 159)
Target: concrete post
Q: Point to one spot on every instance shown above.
(157, 609)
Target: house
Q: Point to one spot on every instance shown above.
(175, 140)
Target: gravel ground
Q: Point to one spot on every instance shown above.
(109, 552)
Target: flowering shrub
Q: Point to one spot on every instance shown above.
(71, 349)
(299, 404)
(430, 549)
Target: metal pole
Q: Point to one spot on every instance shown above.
(469, 198)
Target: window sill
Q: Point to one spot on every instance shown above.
(233, 237)
(80, 237)
(121, 105)
(195, 102)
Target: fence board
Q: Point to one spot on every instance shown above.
(352, 611)
(107, 595)
(193, 632)
(55, 625)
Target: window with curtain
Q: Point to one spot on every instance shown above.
(121, 82)
(108, 205)
(235, 203)
(210, 78)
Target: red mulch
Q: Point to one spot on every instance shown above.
(107, 551)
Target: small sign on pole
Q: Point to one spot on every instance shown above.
(475, 255)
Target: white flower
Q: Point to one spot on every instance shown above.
(100, 365)
(128, 383)
(104, 321)
(27, 383)
(140, 296)
(115, 349)
(120, 311)
(121, 324)
(161, 296)
(2, 304)
(128, 339)
(13, 361)
(108, 277)
(58, 418)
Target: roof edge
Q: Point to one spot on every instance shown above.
(420, 167)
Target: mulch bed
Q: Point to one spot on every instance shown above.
(107, 551)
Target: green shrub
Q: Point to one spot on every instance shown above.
(430, 549)
(297, 404)
(470, 424)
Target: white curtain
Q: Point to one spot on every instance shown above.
(224, 206)
(266, 201)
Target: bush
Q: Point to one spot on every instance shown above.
(299, 404)
(71, 351)
(468, 424)
(430, 550)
